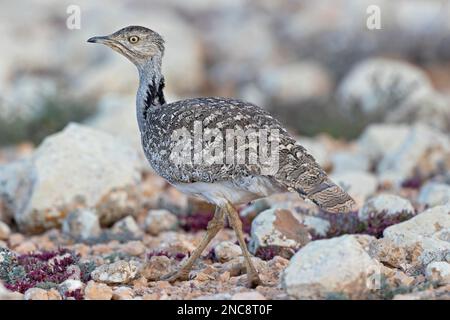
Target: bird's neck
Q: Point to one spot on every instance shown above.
(150, 94)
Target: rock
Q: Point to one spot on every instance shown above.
(69, 286)
(81, 224)
(278, 230)
(15, 183)
(423, 151)
(434, 194)
(97, 291)
(255, 208)
(379, 139)
(323, 267)
(386, 204)
(226, 251)
(118, 272)
(77, 166)
(349, 162)
(296, 82)
(5, 231)
(438, 272)
(387, 252)
(36, 294)
(127, 225)
(237, 266)
(426, 236)
(248, 295)
(359, 185)
(133, 248)
(9, 295)
(315, 225)
(158, 221)
(432, 109)
(377, 86)
(123, 293)
(156, 267)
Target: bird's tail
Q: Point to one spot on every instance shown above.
(330, 197)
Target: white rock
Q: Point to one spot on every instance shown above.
(9, 295)
(349, 162)
(379, 139)
(70, 285)
(81, 224)
(438, 272)
(118, 272)
(434, 194)
(158, 221)
(429, 232)
(377, 86)
(76, 165)
(35, 294)
(387, 204)
(227, 250)
(279, 229)
(316, 225)
(127, 225)
(424, 149)
(323, 267)
(359, 185)
(5, 231)
(296, 82)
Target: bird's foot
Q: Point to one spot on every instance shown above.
(178, 275)
(253, 280)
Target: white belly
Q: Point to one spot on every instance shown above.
(238, 191)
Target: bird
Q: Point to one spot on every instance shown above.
(225, 183)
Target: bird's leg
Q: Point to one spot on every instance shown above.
(214, 226)
(236, 224)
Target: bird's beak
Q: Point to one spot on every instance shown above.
(100, 39)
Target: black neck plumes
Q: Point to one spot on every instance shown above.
(154, 96)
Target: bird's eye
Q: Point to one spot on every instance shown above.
(133, 39)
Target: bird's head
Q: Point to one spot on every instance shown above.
(138, 44)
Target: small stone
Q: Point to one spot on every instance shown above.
(36, 294)
(127, 225)
(388, 204)
(15, 239)
(123, 293)
(280, 231)
(70, 285)
(248, 295)
(226, 251)
(97, 291)
(26, 247)
(9, 295)
(81, 224)
(434, 194)
(156, 267)
(424, 237)
(53, 294)
(158, 221)
(5, 231)
(118, 272)
(439, 272)
(133, 248)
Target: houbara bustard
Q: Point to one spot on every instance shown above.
(225, 180)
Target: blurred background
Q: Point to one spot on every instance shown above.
(315, 64)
